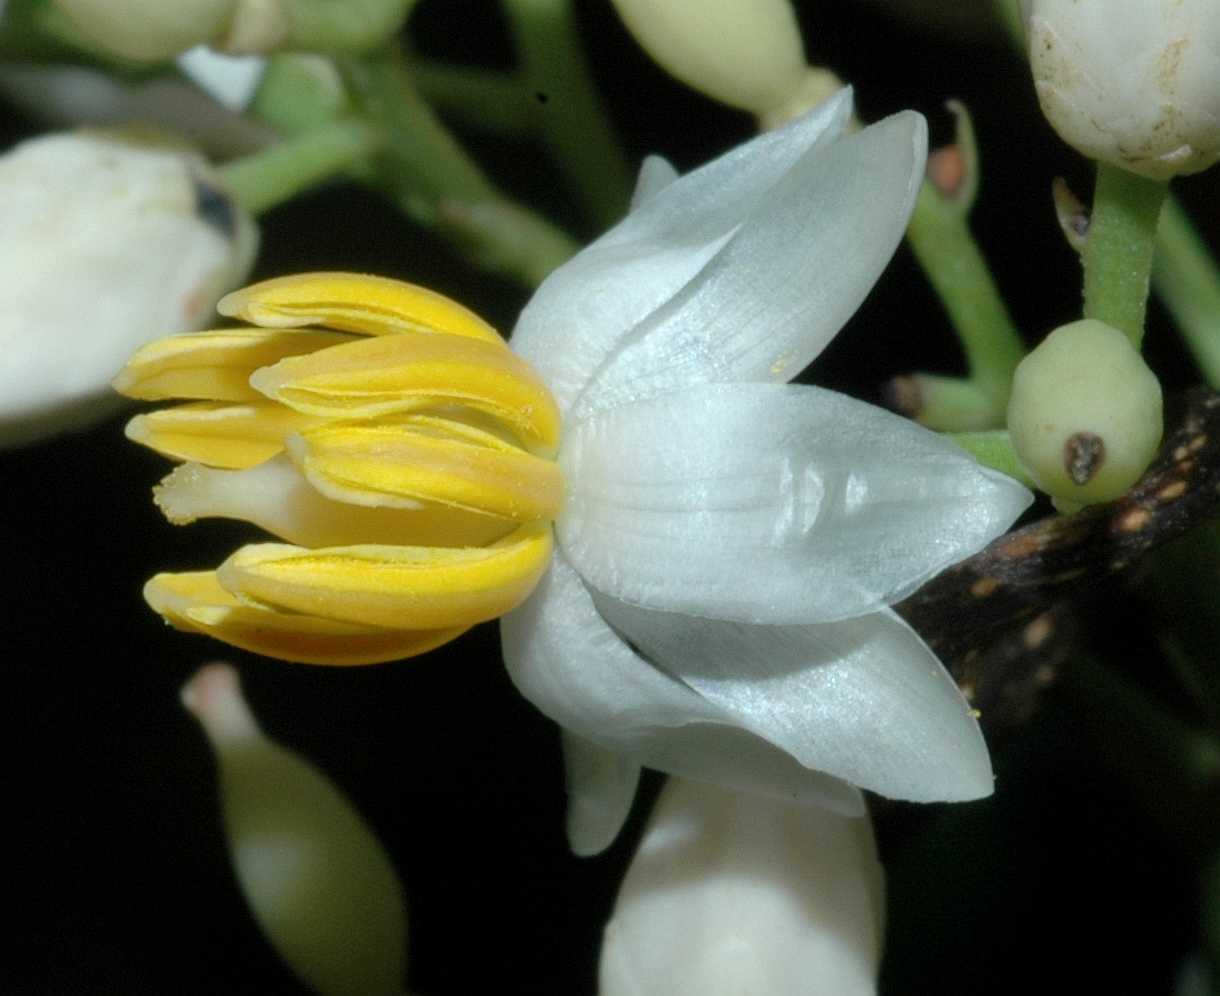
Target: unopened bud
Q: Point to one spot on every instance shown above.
(745, 54)
(1085, 414)
(111, 239)
(1134, 83)
(733, 893)
(322, 888)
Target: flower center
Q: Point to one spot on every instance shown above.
(387, 433)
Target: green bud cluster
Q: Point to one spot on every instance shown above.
(1085, 413)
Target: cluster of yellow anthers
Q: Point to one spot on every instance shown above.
(421, 452)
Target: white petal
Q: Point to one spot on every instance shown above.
(787, 281)
(863, 699)
(656, 173)
(583, 309)
(563, 657)
(231, 80)
(601, 788)
(730, 894)
(771, 503)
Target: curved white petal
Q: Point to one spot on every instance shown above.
(863, 699)
(771, 503)
(777, 292)
(583, 309)
(730, 894)
(656, 173)
(601, 788)
(565, 659)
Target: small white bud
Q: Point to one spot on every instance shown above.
(110, 240)
(745, 54)
(732, 893)
(1085, 413)
(321, 886)
(1134, 83)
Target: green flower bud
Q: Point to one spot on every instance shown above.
(1085, 413)
(321, 887)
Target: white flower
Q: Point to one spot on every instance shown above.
(1135, 83)
(717, 602)
(108, 240)
(731, 894)
(725, 545)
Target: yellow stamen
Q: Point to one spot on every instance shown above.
(414, 487)
(354, 303)
(195, 602)
(213, 366)
(393, 586)
(411, 371)
(218, 434)
(430, 458)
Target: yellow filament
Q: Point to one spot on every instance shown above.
(393, 586)
(371, 378)
(353, 302)
(195, 602)
(213, 366)
(429, 458)
(232, 436)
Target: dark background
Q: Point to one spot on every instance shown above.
(117, 872)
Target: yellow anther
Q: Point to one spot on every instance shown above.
(387, 375)
(233, 436)
(213, 366)
(353, 302)
(393, 586)
(430, 458)
(196, 602)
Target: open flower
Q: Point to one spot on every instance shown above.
(727, 544)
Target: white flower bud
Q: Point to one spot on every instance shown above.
(110, 240)
(319, 883)
(746, 54)
(1085, 413)
(733, 893)
(149, 30)
(1134, 83)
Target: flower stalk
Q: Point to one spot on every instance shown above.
(1119, 251)
(571, 116)
(274, 175)
(437, 184)
(1186, 279)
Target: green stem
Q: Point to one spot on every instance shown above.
(939, 234)
(275, 174)
(1118, 253)
(1009, 15)
(571, 114)
(348, 27)
(993, 449)
(479, 98)
(1186, 279)
(435, 181)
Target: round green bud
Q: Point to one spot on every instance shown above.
(1085, 413)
